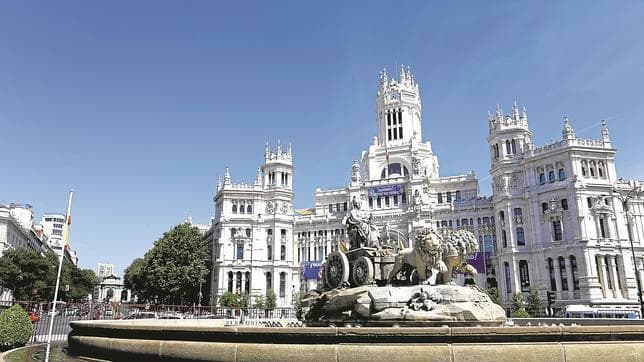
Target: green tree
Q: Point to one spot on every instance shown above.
(260, 302)
(271, 299)
(229, 299)
(175, 266)
(244, 301)
(134, 277)
(517, 309)
(534, 303)
(27, 274)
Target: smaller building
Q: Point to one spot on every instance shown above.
(110, 289)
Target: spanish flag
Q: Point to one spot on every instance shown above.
(68, 221)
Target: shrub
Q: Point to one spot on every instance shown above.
(229, 299)
(15, 328)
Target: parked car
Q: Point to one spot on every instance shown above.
(142, 315)
(33, 317)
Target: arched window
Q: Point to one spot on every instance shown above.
(283, 252)
(471, 221)
(542, 178)
(562, 174)
(575, 275)
(506, 271)
(551, 270)
(524, 276)
(450, 223)
(440, 197)
(504, 238)
(247, 283)
(562, 273)
(592, 169)
(600, 169)
(248, 232)
(609, 279)
(583, 168)
(249, 209)
(282, 285)
(464, 222)
(458, 196)
(487, 243)
(520, 237)
(551, 176)
(508, 150)
(230, 282)
(269, 252)
(269, 281)
(234, 208)
(238, 283)
(513, 146)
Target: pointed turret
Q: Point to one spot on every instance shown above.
(515, 111)
(218, 183)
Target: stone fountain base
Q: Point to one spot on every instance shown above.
(404, 305)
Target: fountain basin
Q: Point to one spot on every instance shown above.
(200, 340)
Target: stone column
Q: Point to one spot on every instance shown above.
(243, 283)
(569, 277)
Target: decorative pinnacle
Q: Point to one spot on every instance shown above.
(226, 176)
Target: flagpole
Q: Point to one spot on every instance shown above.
(60, 267)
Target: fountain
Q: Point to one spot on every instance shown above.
(377, 301)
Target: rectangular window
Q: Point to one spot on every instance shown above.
(386, 201)
(449, 196)
(282, 285)
(520, 237)
(400, 134)
(379, 202)
(458, 196)
(330, 208)
(404, 198)
(557, 231)
(371, 202)
(240, 250)
(395, 200)
(440, 197)
(602, 227)
(564, 204)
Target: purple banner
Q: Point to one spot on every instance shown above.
(385, 190)
(311, 270)
(477, 260)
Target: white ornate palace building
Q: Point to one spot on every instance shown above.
(557, 219)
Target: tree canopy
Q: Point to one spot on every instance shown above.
(31, 276)
(172, 270)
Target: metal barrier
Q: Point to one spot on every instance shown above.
(40, 314)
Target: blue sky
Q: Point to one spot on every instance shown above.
(138, 106)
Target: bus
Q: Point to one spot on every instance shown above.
(584, 311)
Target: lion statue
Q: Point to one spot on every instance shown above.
(425, 255)
(444, 253)
(455, 247)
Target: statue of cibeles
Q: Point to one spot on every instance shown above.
(360, 229)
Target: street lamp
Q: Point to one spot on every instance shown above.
(625, 195)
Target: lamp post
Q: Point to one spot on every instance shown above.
(625, 195)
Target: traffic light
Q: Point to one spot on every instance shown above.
(552, 297)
